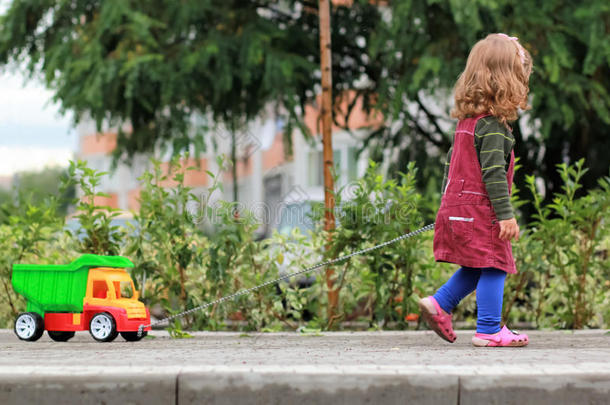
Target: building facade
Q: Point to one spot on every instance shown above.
(267, 177)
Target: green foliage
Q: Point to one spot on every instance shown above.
(28, 234)
(176, 332)
(564, 265)
(423, 48)
(35, 187)
(6, 199)
(381, 283)
(179, 267)
(154, 63)
(96, 233)
(563, 279)
(164, 243)
(237, 260)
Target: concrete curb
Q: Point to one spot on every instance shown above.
(100, 389)
(528, 389)
(223, 387)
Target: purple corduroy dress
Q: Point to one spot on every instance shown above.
(466, 229)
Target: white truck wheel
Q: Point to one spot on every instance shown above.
(29, 326)
(103, 327)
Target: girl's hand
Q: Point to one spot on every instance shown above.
(509, 229)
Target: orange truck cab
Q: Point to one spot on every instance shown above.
(92, 293)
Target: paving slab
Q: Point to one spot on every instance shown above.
(558, 367)
(569, 388)
(86, 389)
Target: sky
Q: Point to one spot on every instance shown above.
(32, 132)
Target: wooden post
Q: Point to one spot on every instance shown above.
(327, 147)
(234, 161)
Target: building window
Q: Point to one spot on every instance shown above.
(315, 168)
(352, 163)
(345, 163)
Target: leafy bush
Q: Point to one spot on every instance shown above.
(378, 286)
(183, 268)
(185, 260)
(165, 244)
(563, 258)
(95, 232)
(32, 233)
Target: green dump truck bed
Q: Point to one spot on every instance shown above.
(59, 288)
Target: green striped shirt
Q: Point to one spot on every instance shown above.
(493, 143)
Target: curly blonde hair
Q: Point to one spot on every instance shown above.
(495, 81)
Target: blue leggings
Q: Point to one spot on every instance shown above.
(489, 283)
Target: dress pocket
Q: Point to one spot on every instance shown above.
(461, 229)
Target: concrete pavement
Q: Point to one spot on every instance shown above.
(414, 367)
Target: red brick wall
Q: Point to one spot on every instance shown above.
(358, 118)
(98, 143)
(196, 177)
(133, 199)
(274, 156)
(111, 201)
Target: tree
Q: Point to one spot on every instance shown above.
(423, 48)
(35, 187)
(152, 64)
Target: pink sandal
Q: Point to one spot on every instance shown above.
(440, 323)
(504, 338)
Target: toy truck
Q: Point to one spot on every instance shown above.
(92, 293)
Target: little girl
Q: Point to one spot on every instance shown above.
(475, 222)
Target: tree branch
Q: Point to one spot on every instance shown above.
(432, 119)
